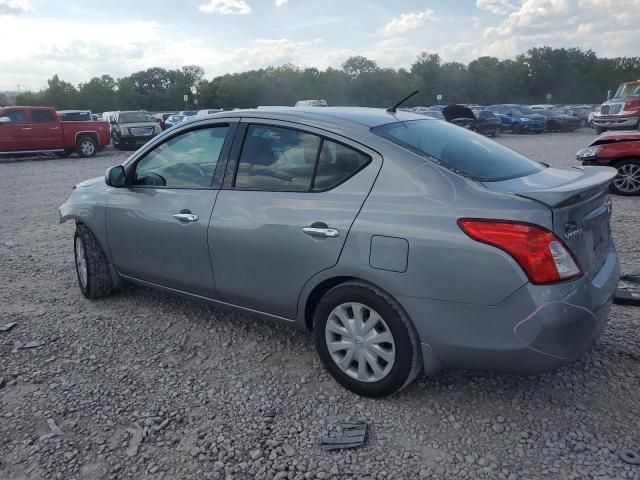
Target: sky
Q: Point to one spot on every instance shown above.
(80, 39)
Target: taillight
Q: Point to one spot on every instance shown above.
(542, 255)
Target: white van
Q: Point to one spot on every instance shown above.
(311, 103)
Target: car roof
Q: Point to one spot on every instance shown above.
(612, 135)
(328, 117)
(73, 111)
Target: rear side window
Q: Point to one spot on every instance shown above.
(458, 149)
(188, 160)
(275, 158)
(16, 116)
(42, 116)
(336, 164)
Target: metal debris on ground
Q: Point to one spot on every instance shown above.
(354, 434)
(630, 456)
(7, 326)
(625, 296)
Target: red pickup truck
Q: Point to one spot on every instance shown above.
(39, 130)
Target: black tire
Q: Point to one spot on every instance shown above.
(86, 147)
(408, 360)
(600, 131)
(496, 132)
(538, 132)
(634, 164)
(517, 129)
(98, 274)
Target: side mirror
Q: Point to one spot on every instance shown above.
(5, 120)
(115, 176)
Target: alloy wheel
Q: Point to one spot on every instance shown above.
(360, 342)
(87, 147)
(628, 179)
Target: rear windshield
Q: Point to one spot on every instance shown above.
(459, 149)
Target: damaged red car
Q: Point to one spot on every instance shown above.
(621, 150)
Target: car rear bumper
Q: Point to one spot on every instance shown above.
(536, 329)
(615, 122)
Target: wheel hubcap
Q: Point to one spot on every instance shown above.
(360, 342)
(87, 147)
(628, 179)
(81, 262)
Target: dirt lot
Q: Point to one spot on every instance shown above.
(144, 385)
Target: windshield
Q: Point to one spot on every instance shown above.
(458, 149)
(176, 118)
(628, 90)
(133, 117)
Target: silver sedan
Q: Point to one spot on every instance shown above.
(405, 244)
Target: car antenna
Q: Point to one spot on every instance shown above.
(395, 107)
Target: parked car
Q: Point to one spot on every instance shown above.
(108, 116)
(542, 107)
(40, 130)
(581, 114)
(161, 118)
(311, 103)
(482, 121)
(173, 120)
(402, 242)
(75, 115)
(559, 122)
(133, 129)
(209, 111)
(518, 118)
(621, 150)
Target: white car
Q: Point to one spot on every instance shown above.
(311, 103)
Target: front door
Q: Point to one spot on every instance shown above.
(16, 134)
(157, 226)
(285, 213)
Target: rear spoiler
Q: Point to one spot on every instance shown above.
(592, 182)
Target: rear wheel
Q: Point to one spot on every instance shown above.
(517, 129)
(496, 132)
(627, 182)
(86, 147)
(94, 274)
(365, 340)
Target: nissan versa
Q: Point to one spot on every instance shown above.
(404, 243)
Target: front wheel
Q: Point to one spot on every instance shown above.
(94, 274)
(86, 147)
(517, 129)
(496, 132)
(365, 340)
(627, 182)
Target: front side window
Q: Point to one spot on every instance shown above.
(336, 164)
(188, 160)
(42, 116)
(459, 150)
(275, 158)
(16, 116)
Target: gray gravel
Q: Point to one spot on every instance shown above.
(144, 385)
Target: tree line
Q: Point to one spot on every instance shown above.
(570, 75)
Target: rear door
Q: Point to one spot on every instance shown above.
(16, 135)
(291, 195)
(46, 130)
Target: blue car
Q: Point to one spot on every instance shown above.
(173, 120)
(518, 118)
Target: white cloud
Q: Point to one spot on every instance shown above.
(226, 7)
(406, 22)
(499, 7)
(279, 3)
(8, 7)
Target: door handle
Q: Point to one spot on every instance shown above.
(321, 232)
(186, 217)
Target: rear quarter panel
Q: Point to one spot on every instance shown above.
(98, 129)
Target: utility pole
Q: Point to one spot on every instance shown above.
(19, 85)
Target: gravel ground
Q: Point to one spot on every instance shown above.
(143, 385)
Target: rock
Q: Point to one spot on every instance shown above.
(134, 441)
(255, 454)
(7, 326)
(498, 428)
(194, 452)
(55, 430)
(33, 344)
(289, 451)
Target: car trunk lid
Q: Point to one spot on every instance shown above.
(580, 208)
